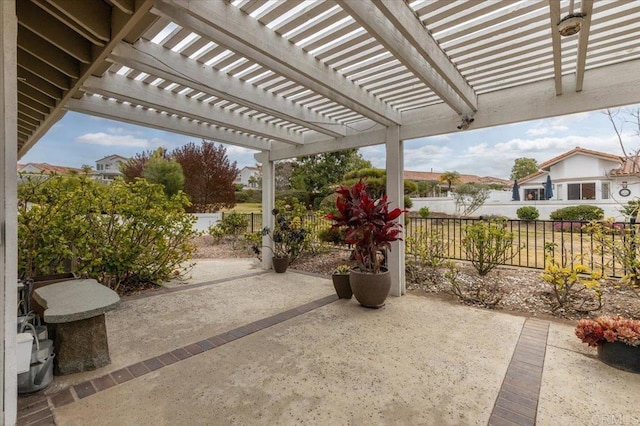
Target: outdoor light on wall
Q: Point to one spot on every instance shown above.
(466, 120)
(624, 184)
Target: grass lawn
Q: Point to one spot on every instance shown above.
(246, 208)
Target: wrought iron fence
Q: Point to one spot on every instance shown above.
(313, 223)
(572, 237)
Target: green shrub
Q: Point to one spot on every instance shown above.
(578, 213)
(120, 234)
(424, 212)
(528, 213)
(254, 195)
(631, 208)
(429, 249)
(488, 244)
(216, 232)
(242, 197)
(234, 224)
(330, 235)
(408, 202)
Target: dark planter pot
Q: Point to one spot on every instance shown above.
(371, 290)
(280, 264)
(342, 285)
(621, 356)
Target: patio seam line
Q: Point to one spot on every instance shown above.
(142, 368)
(517, 400)
(169, 290)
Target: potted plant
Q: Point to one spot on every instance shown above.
(617, 339)
(287, 237)
(371, 228)
(341, 283)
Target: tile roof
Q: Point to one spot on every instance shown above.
(435, 176)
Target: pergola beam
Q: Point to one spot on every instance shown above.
(89, 18)
(179, 69)
(396, 27)
(130, 90)
(521, 103)
(101, 107)
(220, 22)
(38, 47)
(583, 41)
(554, 20)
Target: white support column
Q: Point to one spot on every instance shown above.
(8, 208)
(395, 193)
(268, 204)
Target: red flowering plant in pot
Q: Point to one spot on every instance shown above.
(617, 339)
(371, 227)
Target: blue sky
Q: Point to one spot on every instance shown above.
(79, 139)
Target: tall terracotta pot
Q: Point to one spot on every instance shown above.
(280, 264)
(371, 290)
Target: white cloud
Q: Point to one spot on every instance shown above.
(106, 139)
(122, 130)
(553, 126)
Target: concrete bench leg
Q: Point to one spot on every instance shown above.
(80, 345)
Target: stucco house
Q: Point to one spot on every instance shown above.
(583, 176)
(108, 168)
(248, 177)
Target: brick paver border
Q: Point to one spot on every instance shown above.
(43, 404)
(517, 402)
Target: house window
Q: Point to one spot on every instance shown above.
(605, 188)
(99, 166)
(581, 191)
(534, 194)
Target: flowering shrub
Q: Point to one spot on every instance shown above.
(567, 226)
(609, 329)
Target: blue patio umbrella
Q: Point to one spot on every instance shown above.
(515, 196)
(548, 190)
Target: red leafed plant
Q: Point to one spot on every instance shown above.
(609, 329)
(370, 225)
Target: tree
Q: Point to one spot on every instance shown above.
(167, 173)
(469, 197)
(284, 170)
(450, 178)
(134, 167)
(317, 173)
(631, 118)
(523, 167)
(209, 176)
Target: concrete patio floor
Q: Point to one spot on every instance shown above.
(266, 348)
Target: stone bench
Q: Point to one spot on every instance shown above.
(75, 310)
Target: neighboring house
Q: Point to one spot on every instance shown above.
(108, 168)
(583, 174)
(249, 177)
(40, 169)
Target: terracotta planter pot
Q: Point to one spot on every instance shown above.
(342, 285)
(371, 290)
(621, 356)
(280, 264)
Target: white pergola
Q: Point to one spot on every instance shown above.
(293, 77)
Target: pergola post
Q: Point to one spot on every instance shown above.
(8, 208)
(395, 194)
(268, 204)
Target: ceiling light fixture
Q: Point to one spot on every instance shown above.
(570, 24)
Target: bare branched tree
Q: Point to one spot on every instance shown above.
(619, 119)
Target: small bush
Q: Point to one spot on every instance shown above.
(578, 213)
(631, 208)
(482, 294)
(488, 244)
(330, 235)
(408, 202)
(217, 233)
(234, 224)
(429, 249)
(573, 286)
(424, 212)
(567, 226)
(527, 213)
(242, 197)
